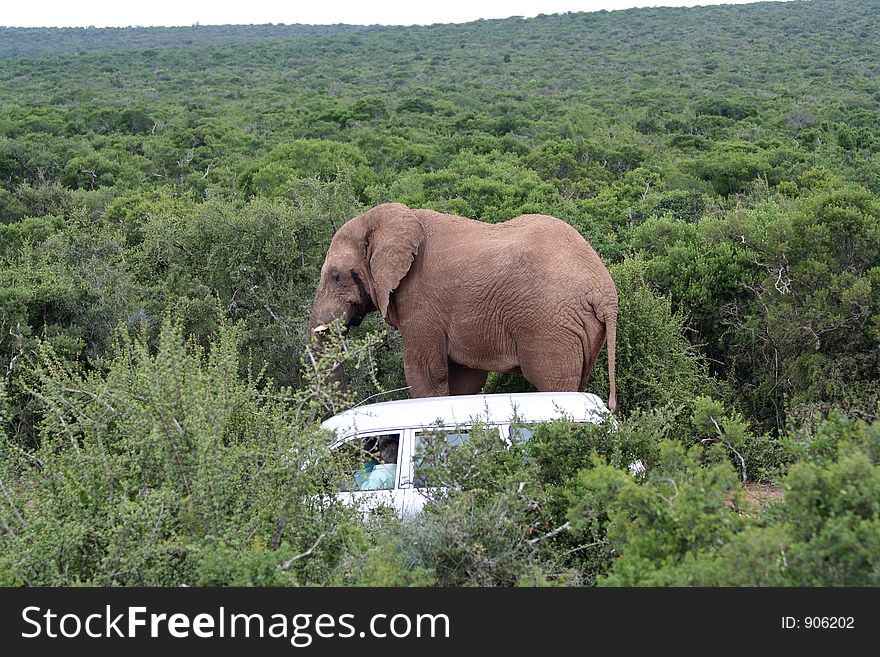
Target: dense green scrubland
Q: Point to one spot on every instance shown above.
(166, 199)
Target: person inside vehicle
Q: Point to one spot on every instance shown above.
(384, 474)
(371, 462)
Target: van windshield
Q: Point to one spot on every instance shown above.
(371, 462)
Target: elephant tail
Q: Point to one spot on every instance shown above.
(611, 339)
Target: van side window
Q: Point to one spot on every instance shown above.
(519, 434)
(431, 447)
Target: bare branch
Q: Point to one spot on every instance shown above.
(92, 395)
(670, 500)
(287, 564)
(550, 534)
(583, 547)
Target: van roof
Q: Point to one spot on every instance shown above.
(462, 409)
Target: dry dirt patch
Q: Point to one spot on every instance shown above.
(758, 497)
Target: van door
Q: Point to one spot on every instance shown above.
(425, 445)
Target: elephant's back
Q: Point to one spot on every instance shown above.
(534, 246)
(554, 243)
(543, 226)
(536, 228)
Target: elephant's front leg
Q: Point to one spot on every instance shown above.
(425, 366)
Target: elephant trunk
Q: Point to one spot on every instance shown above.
(337, 374)
(319, 335)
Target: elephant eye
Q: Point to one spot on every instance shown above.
(336, 277)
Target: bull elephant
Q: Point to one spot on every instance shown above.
(528, 295)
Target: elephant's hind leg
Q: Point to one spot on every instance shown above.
(593, 339)
(553, 365)
(464, 380)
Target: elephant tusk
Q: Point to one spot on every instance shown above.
(320, 328)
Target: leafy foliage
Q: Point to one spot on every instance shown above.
(670, 532)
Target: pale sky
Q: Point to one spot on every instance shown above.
(122, 13)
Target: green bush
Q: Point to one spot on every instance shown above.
(477, 537)
(702, 276)
(680, 525)
(756, 457)
(654, 526)
(277, 174)
(559, 449)
(825, 533)
(488, 514)
(807, 338)
(169, 468)
(379, 555)
(497, 512)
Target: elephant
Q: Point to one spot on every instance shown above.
(527, 295)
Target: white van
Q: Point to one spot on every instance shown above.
(385, 436)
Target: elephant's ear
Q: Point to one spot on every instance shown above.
(394, 240)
